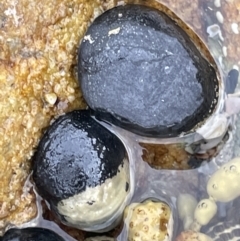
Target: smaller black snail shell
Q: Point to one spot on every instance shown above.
(82, 170)
(31, 234)
(138, 69)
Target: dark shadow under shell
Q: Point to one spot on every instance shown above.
(139, 70)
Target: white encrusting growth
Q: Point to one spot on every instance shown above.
(88, 38)
(149, 220)
(214, 30)
(205, 211)
(220, 17)
(234, 27)
(224, 50)
(222, 186)
(12, 11)
(236, 67)
(50, 98)
(217, 3)
(186, 205)
(114, 31)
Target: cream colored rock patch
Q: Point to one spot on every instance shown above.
(149, 221)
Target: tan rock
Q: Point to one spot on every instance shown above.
(38, 41)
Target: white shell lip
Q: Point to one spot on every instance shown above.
(110, 221)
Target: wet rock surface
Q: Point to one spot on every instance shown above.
(139, 70)
(31, 234)
(165, 156)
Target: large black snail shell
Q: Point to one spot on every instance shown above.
(31, 234)
(82, 170)
(138, 69)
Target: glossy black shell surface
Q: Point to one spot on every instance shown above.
(31, 234)
(138, 69)
(76, 152)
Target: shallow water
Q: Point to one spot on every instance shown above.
(167, 185)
